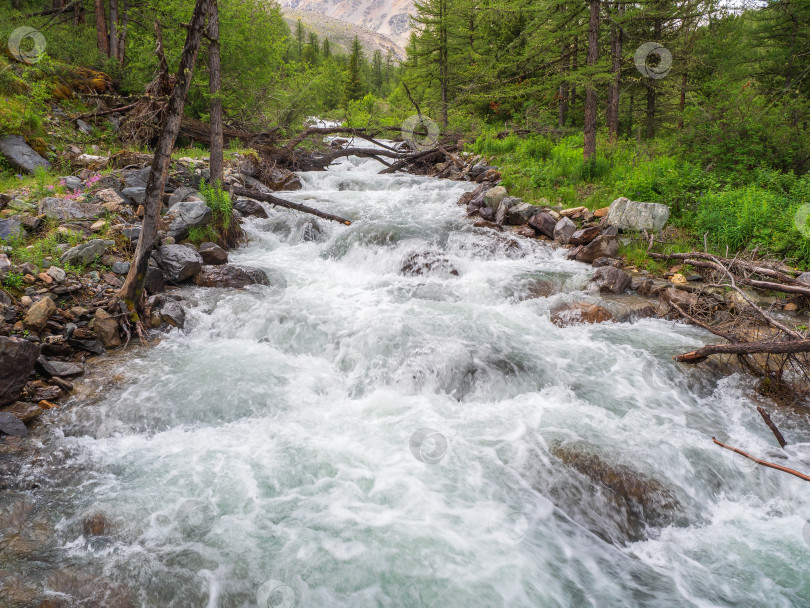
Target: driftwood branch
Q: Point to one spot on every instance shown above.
(764, 463)
(767, 418)
(274, 200)
(745, 348)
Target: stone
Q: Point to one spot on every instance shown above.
(120, 268)
(52, 367)
(601, 246)
(131, 232)
(24, 411)
(98, 226)
(186, 215)
(804, 278)
(154, 282)
(524, 231)
(680, 298)
(45, 278)
(791, 307)
(65, 209)
(32, 223)
(84, 127)
(11, 230)
(421, 263)
(579, 312)
(230, 276)
(105, 328)
(84, 253)
(609, 279)
(584, 236)
(543, 223)
(631, 215)
(564, 229)
(136, 178)
(20, 155)
(172, 313)
(91, 161)
(179, 262)
(109, 196)
(247, 206)
(487, 214)
(17, 359)
(494, 196)
(5, 265)
(678, 279)
(57, 274)
(513, 212)
(137, 194)
(183, 193)
(603, 212)
(72, 182)
(37, 316)
(48, 393)
(11, 425)
(213, 254)
(573, 211)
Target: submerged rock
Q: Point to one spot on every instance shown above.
(235, 277)
(420, 263)
(579, 312)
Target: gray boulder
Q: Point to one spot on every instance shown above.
(494, 196)
(11, 425)
(603, 246)
(84, 253)
(247, 206)
(17, 359)
(72, 182)
(235, 277)
(64, 209)
(609, 279)
(179, 262)
(184, 216)
(213, 254)
(60, 369)
(543, 223)
(10, 230)
(633, 215)
(154, 282)
(20, 155)
(136, 178)
(563, 230)
(181, 194)
(804, 278)
(120, 268)
(514, 212)
(172, 313)
(136, 193)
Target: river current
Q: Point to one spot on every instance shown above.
(358, 435)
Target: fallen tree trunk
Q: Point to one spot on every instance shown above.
(764, 463)
(745, 348)
(274, 200)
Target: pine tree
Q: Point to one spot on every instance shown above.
(377, 71)
(299, 38)
(354, 88)
(326, 51)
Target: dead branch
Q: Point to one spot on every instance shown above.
(735, 263)
(745, 348)
(106, 112)
(767, 418)
(764, 463)
(274, 200)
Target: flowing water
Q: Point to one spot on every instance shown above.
(359, 436)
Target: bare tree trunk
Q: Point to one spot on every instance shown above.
(590, 92)
(572, 98)
(682, 104)
(132, 290)
(613, 87)
(113, 28)
(122, 37)
(217, 144)
(101, 28)
(650, 84)
(562, 106)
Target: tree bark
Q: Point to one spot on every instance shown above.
(745, 348)
(122, 36)
(764, 463)
(274, 200)
(214, 82)
(590, 92)
(113, 29)
(132, 290)
(101, 28)
(682, 101)
(613, 87)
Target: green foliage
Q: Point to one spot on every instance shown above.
(202, 234)
(13, 280)
(220, 203)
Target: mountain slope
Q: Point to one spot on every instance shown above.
(388, 17)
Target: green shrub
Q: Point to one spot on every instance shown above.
(13, 280)
(202, 234)
(220, 203)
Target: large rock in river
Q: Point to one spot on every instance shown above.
(20, 155)
(184, 216)
(179, 262)
(235, 277)
(633, 215)
(17, 359)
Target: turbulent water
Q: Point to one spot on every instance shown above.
(356, 435)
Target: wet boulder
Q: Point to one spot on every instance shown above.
(563, 230)
(173, 313)
(487, 214)
(632, 215)
(11, 425)
(514, 212)
(494, 196)
(574, 313)
(60, 369)
(186, 215)
(17, 359)
(235, 277)
(420, 263)
(38, 315)
(154, 282)
(601, 246)
(212, 254)
(543, 223)
(609, 279)
(20, 155)
(105, 328)
(584, 236)
(249, 207)
(179, 262)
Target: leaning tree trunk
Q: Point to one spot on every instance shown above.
(122, 35)
(216, 161)
(132, 290)
(113, 29)
(590, 92)
(101, 28)
(613, 87)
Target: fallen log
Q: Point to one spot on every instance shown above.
(764, 463)
(732, 263)
(770, 424)
(745, 348)
(274, 200)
